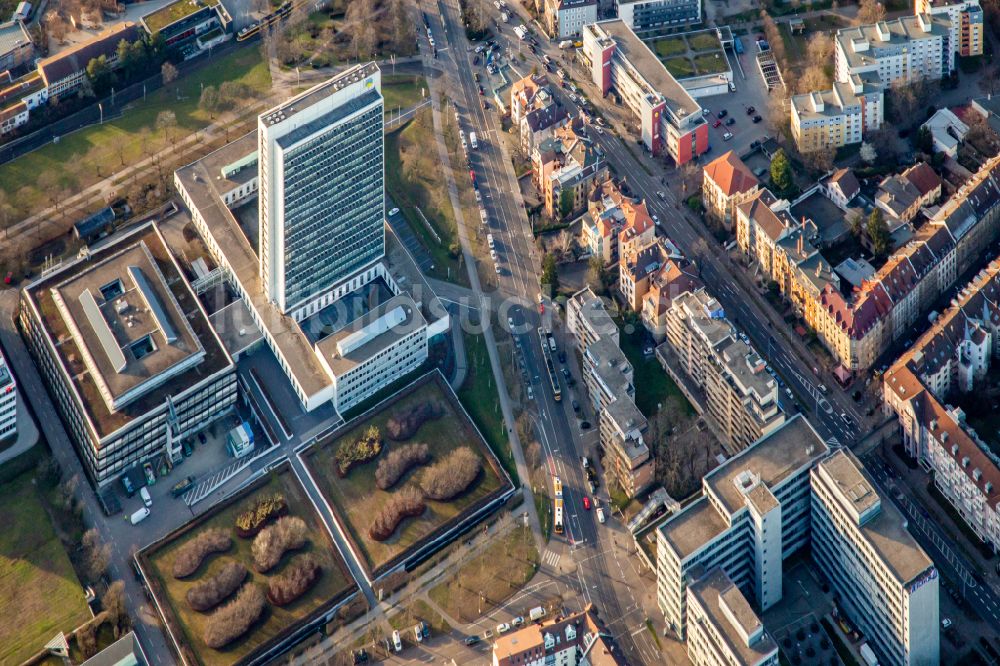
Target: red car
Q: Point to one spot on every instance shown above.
(586, 503)
(716, 123)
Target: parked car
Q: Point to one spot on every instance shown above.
(127, 484)
(731, 121)
(139, 516)
(397, 642)
(517, 621)
(147, 501)
(727, 136)
(750, 110)
(584, 425)
(502, 628)
(722, 114)
(756, 119)
(586, 503)
(182, 486)
(471, 640)
(717, 123)
(576, 406)
(394, 211)
(600, 515)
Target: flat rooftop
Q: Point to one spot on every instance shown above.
(366, 336)
(747, 367)
(830, 221)
(596, 315)
(127, 327)
(896, 33)
(175, 11)
(318, 93)
(12, 36)
(199, 181)
(885, 531)
(732, 617)
(645, 62)
(693, 527)
(772, 458)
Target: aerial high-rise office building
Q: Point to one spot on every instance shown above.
(321, 172)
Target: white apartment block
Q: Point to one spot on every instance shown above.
(965, 17)
(753, 513)
(828, 119)
(905, 49)
(723, 628)
(886, 583)
(736, 392)
(8, 401)
(566, 18)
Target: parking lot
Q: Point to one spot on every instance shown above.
(750, 93)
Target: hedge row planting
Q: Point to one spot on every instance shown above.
(360, 451)
(235, 618)
(302, 574)
(191, 554)
(407, 503)
(404, 424)
(398, 462)
(260, 513)
(452, 475)
(209, 593)
(288, 533)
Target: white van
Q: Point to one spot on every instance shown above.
(536, 613)
(139, 516)
(146, 499)
(397, 642)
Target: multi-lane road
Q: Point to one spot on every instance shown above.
(517, 299)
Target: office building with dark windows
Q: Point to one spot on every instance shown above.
(127, 352)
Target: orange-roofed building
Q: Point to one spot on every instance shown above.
(727, 182)
(573, 640)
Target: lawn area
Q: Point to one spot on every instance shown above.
(38, 587)
(711, 63)
(416, 611)
(496, 573)
(704, 41)
(415, 178)
(680, 67)
(357, 500)
(334, 584)
(670, 46)
(82, 158)
(653, 384)
(402, 91)
(479, 397)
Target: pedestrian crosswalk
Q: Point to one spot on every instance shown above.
(210, 483)
(551, 558)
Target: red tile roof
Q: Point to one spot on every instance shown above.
(731, 174)
(923, 178)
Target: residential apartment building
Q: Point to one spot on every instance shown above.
(841, 187)
(829, 119)
(127, 352)
(574, 640)
(64, 72)
(608, 377)
(723, 628)
(643, 15)
(614, 221)
(719, 372)
(965, 17)
(905, 49)
(901, 196)
(753, 513)
(314, 170)
(856, 326)
(533, 110)
(565, 18)
(885, 583)
(675, 278)
(669, 118)
(16, 47)
(726, 182)
(566, 168)
(8, 401)
(954, 354)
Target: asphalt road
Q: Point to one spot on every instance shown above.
(518, 289)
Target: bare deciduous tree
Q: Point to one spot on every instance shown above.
(870, 11)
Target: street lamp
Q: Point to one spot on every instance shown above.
(101, 108)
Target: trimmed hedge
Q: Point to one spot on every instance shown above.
(288, 533)
(209, 593)
(260, 513)
(360, 451)
(452, 475)
(407, 503)
(398, 462)
(302, 574)
(190, 555)
(235, 618)
(404, 424)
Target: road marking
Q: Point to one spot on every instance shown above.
(551, 558)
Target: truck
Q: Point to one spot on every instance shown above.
(520, 32)
(473, 141)
(536, 613)
(566, 43)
